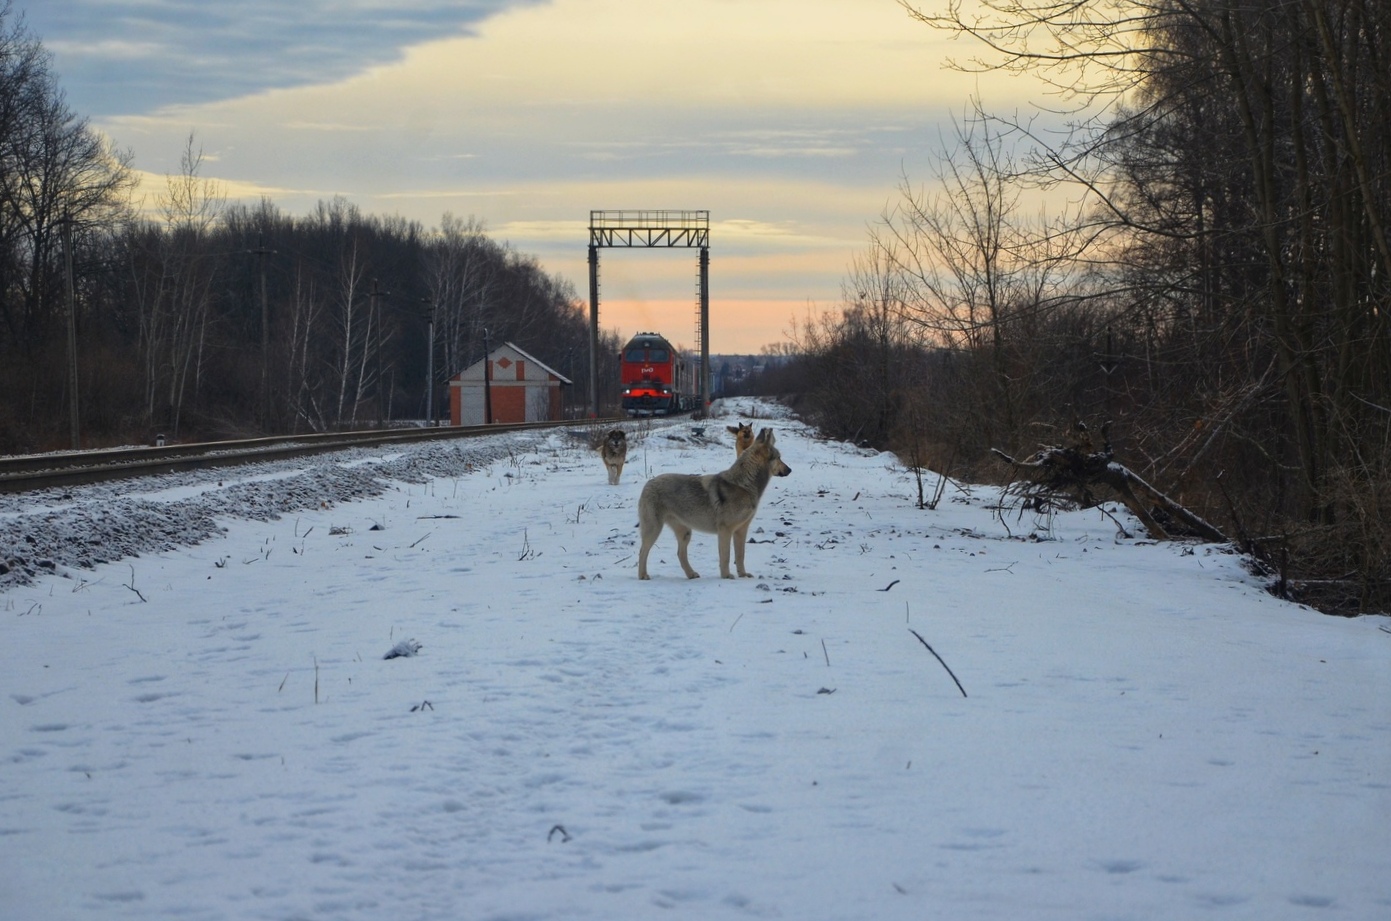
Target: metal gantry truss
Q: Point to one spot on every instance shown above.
(651, 230)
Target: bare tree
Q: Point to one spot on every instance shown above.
(354, 328)
(53, 167)
(978, 275)
(463, 273)
(190, 206)
(300, 383)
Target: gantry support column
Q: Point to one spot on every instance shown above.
(593, 331)
(704, 331)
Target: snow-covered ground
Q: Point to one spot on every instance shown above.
(211, 730)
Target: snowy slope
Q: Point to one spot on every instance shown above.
(212, 731)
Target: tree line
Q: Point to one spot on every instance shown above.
(1212, 277)
(194, 317)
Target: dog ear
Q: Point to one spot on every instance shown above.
(766, 437)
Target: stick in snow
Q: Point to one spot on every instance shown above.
(939, 659)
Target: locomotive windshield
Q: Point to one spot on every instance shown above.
(658, 355)
(635, 355)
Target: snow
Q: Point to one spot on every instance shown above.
(209, 729)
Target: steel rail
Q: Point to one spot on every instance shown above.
(78, 468)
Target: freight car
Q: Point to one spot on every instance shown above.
(657, 380)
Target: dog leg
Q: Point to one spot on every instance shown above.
(683, 541)
(649, 537)
(741, 540)
(723, 536)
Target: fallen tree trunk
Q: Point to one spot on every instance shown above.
(1079, 474)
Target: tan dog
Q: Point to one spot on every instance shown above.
(743, 436)
(614, 451)
(714, 503)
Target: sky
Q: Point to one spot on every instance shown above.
(1104, 726)
(793, 122)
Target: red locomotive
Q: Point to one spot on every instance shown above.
(657, 379)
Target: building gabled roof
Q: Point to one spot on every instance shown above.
(539, 363)
(525, 355)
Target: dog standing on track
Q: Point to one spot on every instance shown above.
(714, 503)
(614, 451)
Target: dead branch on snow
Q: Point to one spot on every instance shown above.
(1084, 477)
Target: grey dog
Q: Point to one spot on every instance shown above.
(714, 503)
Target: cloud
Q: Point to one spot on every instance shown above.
(152, 187)
(178, 52)
(332, 127)
(105, 49)
(795, 151)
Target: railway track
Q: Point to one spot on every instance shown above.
(77, 468)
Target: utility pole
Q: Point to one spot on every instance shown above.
(66, 224)
(568, 401)
(260, 252)
(429, 362)
(375, 293)
(487, 380)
